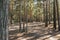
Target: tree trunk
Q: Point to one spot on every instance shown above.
(11, 19)
(20, 18)
(1, 28)
(24, 17)
(49, 12)
(44, 9)
(58, 15)
(46, 20)
(5, 19)
(54, 14)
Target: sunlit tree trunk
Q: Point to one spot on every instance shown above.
(30, 10)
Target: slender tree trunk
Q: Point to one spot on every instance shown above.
(44, 9)
(30, 13)
(20, 22)
(26, 22)
(46, 20)
(54, 14)
(20, 18)
(58, 15)
(49, 13)
(24, 18)
(11, 16)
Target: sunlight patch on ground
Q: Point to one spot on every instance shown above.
(21, 38)
(58, 35)
(44, 37)
(12, 29)
(52, 38)
(47, 37)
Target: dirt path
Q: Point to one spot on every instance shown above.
(36, 31)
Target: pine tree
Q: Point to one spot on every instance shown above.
(54, 14)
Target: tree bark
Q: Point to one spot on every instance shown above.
(1, 28)
(58, 15)
(44, 9)
(49, 13)
(5, 19)
(54, 14)
(46, 20)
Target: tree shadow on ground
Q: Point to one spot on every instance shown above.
(35, 35)
(12, 34)
(52, 35)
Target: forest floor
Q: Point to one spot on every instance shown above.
(36, 31)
